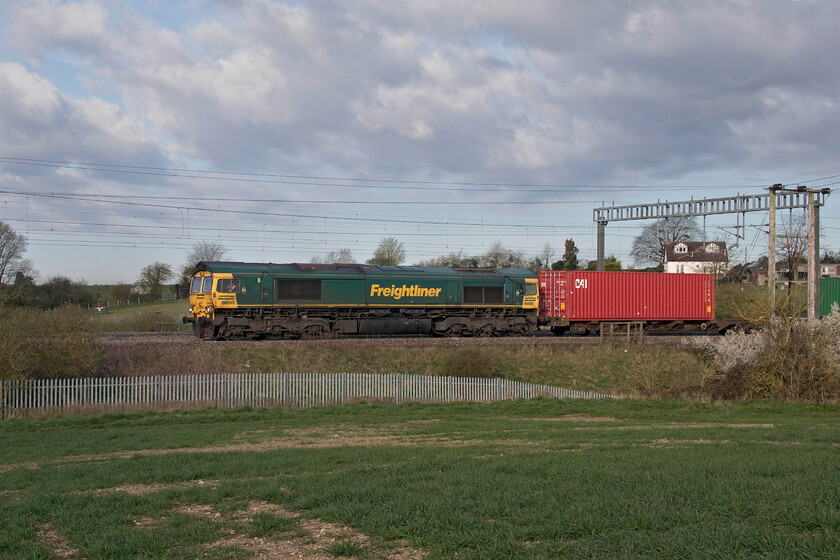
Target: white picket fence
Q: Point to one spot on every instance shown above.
(52, 396)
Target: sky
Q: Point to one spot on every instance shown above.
(129, 131)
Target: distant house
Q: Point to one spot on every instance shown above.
(783, 275)
(829, 270)
(697, 257)
(798, 276)
(757, 275)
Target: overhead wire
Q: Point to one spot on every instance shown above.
(219, 210)
(306, 180)
(151, 202)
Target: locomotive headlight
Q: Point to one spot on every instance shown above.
(192, 309)
(208, 309)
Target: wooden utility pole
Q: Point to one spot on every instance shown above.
(813, 254)
(771, 254)
(813, 258)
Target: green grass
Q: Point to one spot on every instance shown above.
(179, 306)
(141, 317)
(538, 479)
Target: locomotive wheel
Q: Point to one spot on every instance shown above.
(313, 331)
(579, 329)
(448, 333)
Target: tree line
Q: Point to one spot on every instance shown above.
(392, 252)
(156, 280)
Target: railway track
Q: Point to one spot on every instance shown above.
(541, 338)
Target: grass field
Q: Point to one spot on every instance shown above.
(141, 317)
(540, 479)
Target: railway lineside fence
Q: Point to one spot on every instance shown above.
(44, 397)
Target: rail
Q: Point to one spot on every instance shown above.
(43, 397)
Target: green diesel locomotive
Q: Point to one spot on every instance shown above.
(230, 300)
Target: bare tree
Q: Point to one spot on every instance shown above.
(12, 248)
(202, 251)
(543, 260)
(206, 251)
(389, 252)
(344, 256)
(452, 260)
(792, 245)
(500, 257)
(153, 278)
(830, 257)
(649, 246)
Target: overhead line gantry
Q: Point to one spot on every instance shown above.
(778, 198)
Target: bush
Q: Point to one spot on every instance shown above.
(656, 372)
(786, 360)
(53, 343)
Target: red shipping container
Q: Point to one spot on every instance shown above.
(626, 296)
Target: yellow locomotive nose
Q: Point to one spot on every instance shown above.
(201, 296)
(531, 298)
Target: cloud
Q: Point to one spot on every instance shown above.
(546, 92)
(547, 88)
(39, 26)
(40, 122)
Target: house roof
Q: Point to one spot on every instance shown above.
(696, 251)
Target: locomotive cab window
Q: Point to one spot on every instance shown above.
(295, 288)
(228, 286)
(195, 285)
(207, 285)
(530, 289)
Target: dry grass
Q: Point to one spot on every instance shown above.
(647, 369)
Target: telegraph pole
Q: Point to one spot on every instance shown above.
(813, 259)
(813, 255)
(771, 252)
